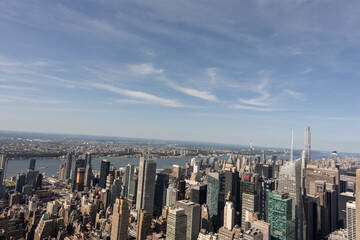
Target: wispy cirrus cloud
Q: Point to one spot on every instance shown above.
(150, 98)
(262, 109)
(145, 69)
(194, 92)
(293, 94)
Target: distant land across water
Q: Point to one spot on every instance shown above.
(51, 166)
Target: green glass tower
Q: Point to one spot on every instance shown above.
(280, 215)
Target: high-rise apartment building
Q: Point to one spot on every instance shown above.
(351, 220)
(146, 186)
(176, 224)
(120, 219)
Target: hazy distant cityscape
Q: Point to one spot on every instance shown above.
(78, 187)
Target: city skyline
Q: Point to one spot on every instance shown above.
(216, 72)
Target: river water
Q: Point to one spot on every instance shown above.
(51, 166)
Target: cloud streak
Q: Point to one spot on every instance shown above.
(145, 69)
(150, 98)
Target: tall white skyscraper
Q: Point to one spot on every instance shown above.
(229, 215)
(146, 185)
(351, 220)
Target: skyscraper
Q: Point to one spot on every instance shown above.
(176, 224)
(129, 171)
(215, 197)
(104, 171)
(161, 185)
(144, 225)
(146, 186)
(229, 215)
(280, 216)
(68, 166)
(120, 219)
(87, 158)
(351, 220)
(250, 204)
(193, 214)
(32, 164)
(20, 182)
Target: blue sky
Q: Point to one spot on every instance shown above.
(216, 71)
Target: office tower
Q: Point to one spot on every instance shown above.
(176, 224)
(32, 164)
(133, 190)
(109, 181)
(80, 178)
(62, 171)
(280, 216)
(198, 194)
(343, 199)
(324, 183)
(146, 186)
(129, 172)
(33, 203)
(20, 182)
(266, 171)
(311, 204)
(120, 219)
(68, 166)
(215, 197)
(351, 220)
(264, 227)
(172, 195)
(79, 163)
(182, 188)
(250, 184)
(250, 205)
(38, 183)
(161, 185)
(104, 172)
(229, 215)
(266, 186)
(115, 190)
(31, 177)
(88, 176)
(357, 197)
(289, 181)
(206, 222)
(193, 214)
(3, 168)
(231, 186)
(144, 225)
(87, 158)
